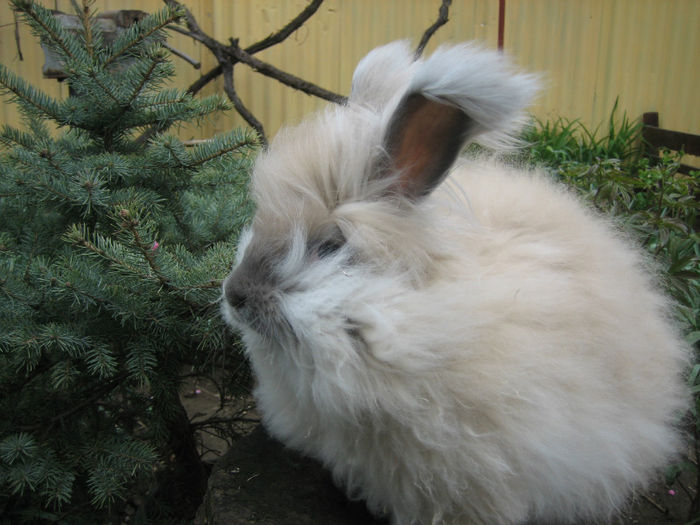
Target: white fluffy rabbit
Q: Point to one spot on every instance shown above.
(458, 342)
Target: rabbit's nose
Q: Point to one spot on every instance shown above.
(235, 295)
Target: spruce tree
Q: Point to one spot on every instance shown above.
(111, 254)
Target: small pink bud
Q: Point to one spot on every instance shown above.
(197, 391)
(155, 246)
(672, 492)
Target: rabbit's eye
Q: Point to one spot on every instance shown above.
(329, 247)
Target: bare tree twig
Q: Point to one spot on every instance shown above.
(268, 41)
(192, 24)
(19, 49)
(178, 29)
(285, 78)
(287, 30)
(205, 79)
(88, 399)
(236, 54)
(658, 506)
(184, 56)
(443, 14)
(228, 55)
(243, 111)
(233, 53)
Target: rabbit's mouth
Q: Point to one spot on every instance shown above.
(258, 311)
(252, 304)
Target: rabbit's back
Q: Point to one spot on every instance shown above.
(573, 361)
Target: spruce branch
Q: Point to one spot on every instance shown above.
(12, 137)
(12, 295)
(94, 75)
(31, 98)
(209, 285)
(173, 151)
(141, 31)
(234, 141)
(140, 362)
(118, 308)
(115, 373)
(47, 27)
(78, 235)
(56, 181)
(148, 253)
(44, 186)
(145, 249)
(87, 17)
(145, 77)
(165, 98)
(50, 157)
(88, 397)
(43, 149)
(130, 449)
(70, 286)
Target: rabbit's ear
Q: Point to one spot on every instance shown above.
(423, 139)
(460, 93)
(384, 73)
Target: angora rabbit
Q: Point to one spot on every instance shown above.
(458, 342)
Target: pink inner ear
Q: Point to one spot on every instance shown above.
(423, 141)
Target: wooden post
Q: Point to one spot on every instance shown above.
(501, 23)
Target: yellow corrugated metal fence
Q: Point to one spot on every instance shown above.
(646, 52)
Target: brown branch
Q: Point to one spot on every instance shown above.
(180, 30)
(205, 79)
(223, 421)
(243, 111)
(89, 398)
(658, 506)
(268, 41)
(184, 56)
(17, 42)
(232, 54)
(442, 19)
(228, 56)
(84, 15)
(194, 30)
(287, 30)
(285, 78)
(101, 391)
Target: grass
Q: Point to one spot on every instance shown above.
(650, 198)
(562, 141)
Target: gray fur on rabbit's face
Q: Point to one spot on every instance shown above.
(458, 341)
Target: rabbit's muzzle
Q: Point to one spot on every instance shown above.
(253, 298)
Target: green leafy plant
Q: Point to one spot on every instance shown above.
(562, 140)
(111, 253)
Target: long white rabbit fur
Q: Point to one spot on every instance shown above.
(470, 346)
